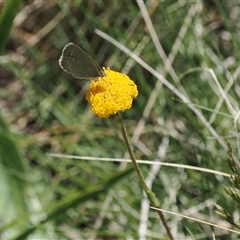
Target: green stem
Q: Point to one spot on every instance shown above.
(151, 195)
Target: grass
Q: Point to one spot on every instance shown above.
(184, 58)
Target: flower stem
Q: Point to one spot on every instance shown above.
(151, 195)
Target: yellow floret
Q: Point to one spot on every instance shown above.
(111, 94)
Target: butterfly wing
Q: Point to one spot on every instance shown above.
(78, 63)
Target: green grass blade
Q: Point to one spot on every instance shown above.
(6, 20)
(12, 184)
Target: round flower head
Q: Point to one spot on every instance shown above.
(111, 94)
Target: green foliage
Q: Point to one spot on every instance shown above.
(12, 176)
(7, 16)
(61, 206)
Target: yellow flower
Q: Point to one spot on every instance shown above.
(111, 94)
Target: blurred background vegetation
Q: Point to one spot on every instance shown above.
(193, 44)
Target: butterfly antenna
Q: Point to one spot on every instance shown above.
(120, 59)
